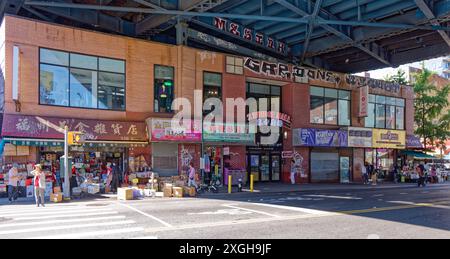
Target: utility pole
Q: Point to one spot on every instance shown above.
(66, 163)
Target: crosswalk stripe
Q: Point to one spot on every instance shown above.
(92, 234)
(67, 216)
(30, 230)
(44, 212)
(47, 207)
(146, 237)
(40, 222)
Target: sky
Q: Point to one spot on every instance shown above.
(432, 64)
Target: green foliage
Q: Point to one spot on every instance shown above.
(399, 78)
(433, 125)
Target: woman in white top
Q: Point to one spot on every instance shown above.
(39, 185)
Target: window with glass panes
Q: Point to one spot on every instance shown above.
(212, 86)
(385, 112)
(164, 88)
(330, 106)
(81, 81)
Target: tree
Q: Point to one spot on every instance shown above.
(433, 125)
(399, 77)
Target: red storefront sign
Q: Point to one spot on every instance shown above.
(363, 101)
(47, 128)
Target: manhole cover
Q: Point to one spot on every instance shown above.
(97, 205)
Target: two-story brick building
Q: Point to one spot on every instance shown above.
(119, 91)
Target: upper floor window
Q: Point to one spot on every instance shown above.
(330, 106)
(386, 113)
(82, 81)
(164, 88)
(235, 65)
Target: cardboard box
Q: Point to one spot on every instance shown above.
(56, 197)
(192, 192)
(180, 183)
(57, 190)
(159, 194)
(125, 194)
(168, 192)
(177, 192)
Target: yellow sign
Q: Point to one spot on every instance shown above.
(75, 138)
(394, 139)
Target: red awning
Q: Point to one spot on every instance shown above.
(41, 127)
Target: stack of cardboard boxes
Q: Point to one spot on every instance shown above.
(56, 196)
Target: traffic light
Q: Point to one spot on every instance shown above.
(76, 138)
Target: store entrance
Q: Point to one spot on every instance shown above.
(265, 167)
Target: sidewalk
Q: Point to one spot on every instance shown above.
(262, 188)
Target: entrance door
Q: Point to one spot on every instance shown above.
(265, 168)
(345, 169)
(276, 167)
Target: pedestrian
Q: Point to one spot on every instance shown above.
(293, 171)
(39, 185)
(421, 172)
(434, 178)
(365, 174)
(192, 176)
(374, 175)
(13, 183)
(73, 183)
(115, 178)
(395, 173)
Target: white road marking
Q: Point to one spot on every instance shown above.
(44, 212)
(146, 214)
(40, 222)
(93, 233)
(222, 212)
(30, 230)
(304, 210)
(67, 216)
(250, 210)
(334, 197)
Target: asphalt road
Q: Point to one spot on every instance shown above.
(401, 213)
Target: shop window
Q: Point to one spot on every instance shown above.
(76, 80)
(54, 85)
(235, 65)
(386, 113)
(330, 106)
(164, 88)
(212, 85)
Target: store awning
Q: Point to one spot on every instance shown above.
(60, 143)
(417, 155)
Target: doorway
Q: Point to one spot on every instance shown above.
(265, 167)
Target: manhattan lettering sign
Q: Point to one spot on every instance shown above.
(303, 75)
(250, 35)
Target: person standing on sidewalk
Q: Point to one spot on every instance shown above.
(13, 182)
(192, 176)
(421, 172)
(39, 185)
(365, 174)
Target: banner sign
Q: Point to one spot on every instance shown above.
(413, 142)
(360, 137)
(363, 102)
(320, 138)
(219, 132)
(46, 128)
(393, 139)
(250, 35)
(162, 130)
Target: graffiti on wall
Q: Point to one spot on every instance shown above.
(186, 156)
(298, 159)
(358, 81)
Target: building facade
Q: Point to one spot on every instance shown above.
(119, 92)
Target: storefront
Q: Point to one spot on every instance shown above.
(173, 148)
(330, 158)
(34, 139)
(384, 154)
